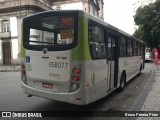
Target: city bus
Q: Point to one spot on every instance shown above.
(74, 57)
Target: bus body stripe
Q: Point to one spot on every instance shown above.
(22, 48)
(22, 52)
(81, 52)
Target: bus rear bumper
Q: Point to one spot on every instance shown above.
(63, 97)
(44, 94)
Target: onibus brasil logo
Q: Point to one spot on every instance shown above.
(20, 114)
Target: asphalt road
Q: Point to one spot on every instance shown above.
(12, 98)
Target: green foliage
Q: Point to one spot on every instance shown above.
(148, 20)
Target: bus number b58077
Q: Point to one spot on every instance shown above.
(58, 64)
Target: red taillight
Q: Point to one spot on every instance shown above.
(75, 78)
(23, 69)
(23, 72)
(76, 71)
(22, 66)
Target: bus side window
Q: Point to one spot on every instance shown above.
(129, 47)
(96, 41)
(134, 47)
(93, 50)
(138, 48)
(122, 46)
(109, 47)
(101, 50)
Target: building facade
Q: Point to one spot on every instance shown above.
(94, 7)
(12, 12)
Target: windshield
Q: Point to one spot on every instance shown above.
(50, 31)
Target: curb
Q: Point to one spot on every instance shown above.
(9, 68)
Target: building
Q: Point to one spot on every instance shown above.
(12, 12)
(94, 7)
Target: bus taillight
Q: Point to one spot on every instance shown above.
(76, 71)
(23, 73)
(23, 69)
(75, 78)
(22, 66)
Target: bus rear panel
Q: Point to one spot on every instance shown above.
(47, 67)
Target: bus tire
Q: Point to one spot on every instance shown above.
(122, 82)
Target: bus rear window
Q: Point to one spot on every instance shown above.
(41, 37)
(50, 31)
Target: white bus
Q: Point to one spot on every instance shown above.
(74, 57)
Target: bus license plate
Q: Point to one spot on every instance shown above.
(47, 85)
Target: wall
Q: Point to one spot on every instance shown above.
(70, 6)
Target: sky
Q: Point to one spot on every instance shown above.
(119, 13)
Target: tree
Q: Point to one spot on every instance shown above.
(148, 20)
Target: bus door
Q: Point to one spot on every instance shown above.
(112, 39)
(97, 44)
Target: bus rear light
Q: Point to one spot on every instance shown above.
(75, 78)
(76, 71)
(23, 72)
(22, 66)
(24, 79)
(74, 87)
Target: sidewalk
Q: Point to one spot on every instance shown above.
(150, 99)
(9, 68)
(152, 102)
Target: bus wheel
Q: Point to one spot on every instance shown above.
(122, 82)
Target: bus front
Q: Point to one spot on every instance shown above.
(47, 43)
